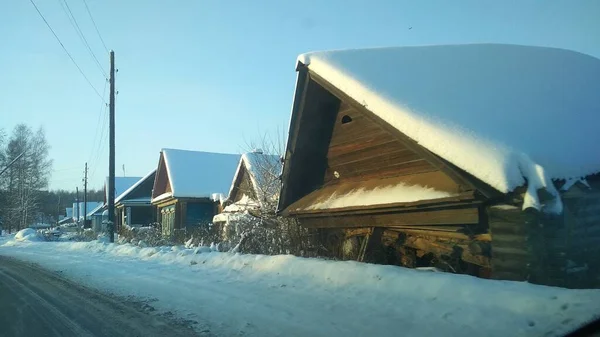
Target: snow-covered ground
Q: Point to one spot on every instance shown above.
(254, 295)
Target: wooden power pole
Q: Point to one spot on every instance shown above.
(111, 152)
(85, 224)
(76, 210)
(58, 211)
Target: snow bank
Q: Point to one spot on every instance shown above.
(27, 234)
(256, 295)
(507, 114)
(380, 196)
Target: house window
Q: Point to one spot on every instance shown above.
(346, 119)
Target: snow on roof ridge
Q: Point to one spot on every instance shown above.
(132, 187)
(96, 209)
(304, 57)
(168, 149)
(247, 160)
(219, 166)
(495, 110)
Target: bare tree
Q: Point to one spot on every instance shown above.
(26, 177)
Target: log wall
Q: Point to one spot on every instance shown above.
(559, 250)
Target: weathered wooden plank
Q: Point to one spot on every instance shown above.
(358, 231)
(434, 179)
(509, 264)
(503, 247)
(508, 229)
(388, 171)
(377, 161)
(462, 201)
(510, 238)
(347, 140)
(456, 229)
(440, 248)
(441, 217)
(432, 231)
(371, 250)
(367, 151)
(507, 250)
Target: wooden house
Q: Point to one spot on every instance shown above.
(477, 159)
(189, 186)
(254, 190)
(95, 216)
(122, 184)
(133, 206)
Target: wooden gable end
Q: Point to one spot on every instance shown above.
(144, 189)
(361, 149)
(344, 147)
(364, 155)
(242, 186)
(161, 182)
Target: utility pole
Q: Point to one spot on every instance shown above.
(111, 152)
(76, 210)
(58, 211)
(85, 225)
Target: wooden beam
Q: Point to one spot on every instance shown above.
(437, 217)
(297, 108)
(431, 231)
(371, 249)
(462, 201)
(441, 249)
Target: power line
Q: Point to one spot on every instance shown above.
(79, 32)
(66, 51)
(96, 27)
(101, 144)
(98, 123)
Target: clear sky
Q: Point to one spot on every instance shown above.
(216, 75)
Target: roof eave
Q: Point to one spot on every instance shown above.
(297, 105)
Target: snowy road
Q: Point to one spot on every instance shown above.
(36, 302)
(254, 295)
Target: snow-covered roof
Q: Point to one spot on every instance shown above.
(264, 171)
(121, 184)
(133, 187)
(95, 210)
(506, 114)
(196, 174)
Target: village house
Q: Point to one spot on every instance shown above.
(253, 192)
(98, 214)
(68, 217)
(133, 207)
(478, 159)
(189, 186)
(80, 208)
(95, 216)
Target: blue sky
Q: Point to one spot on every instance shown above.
(216, 75)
